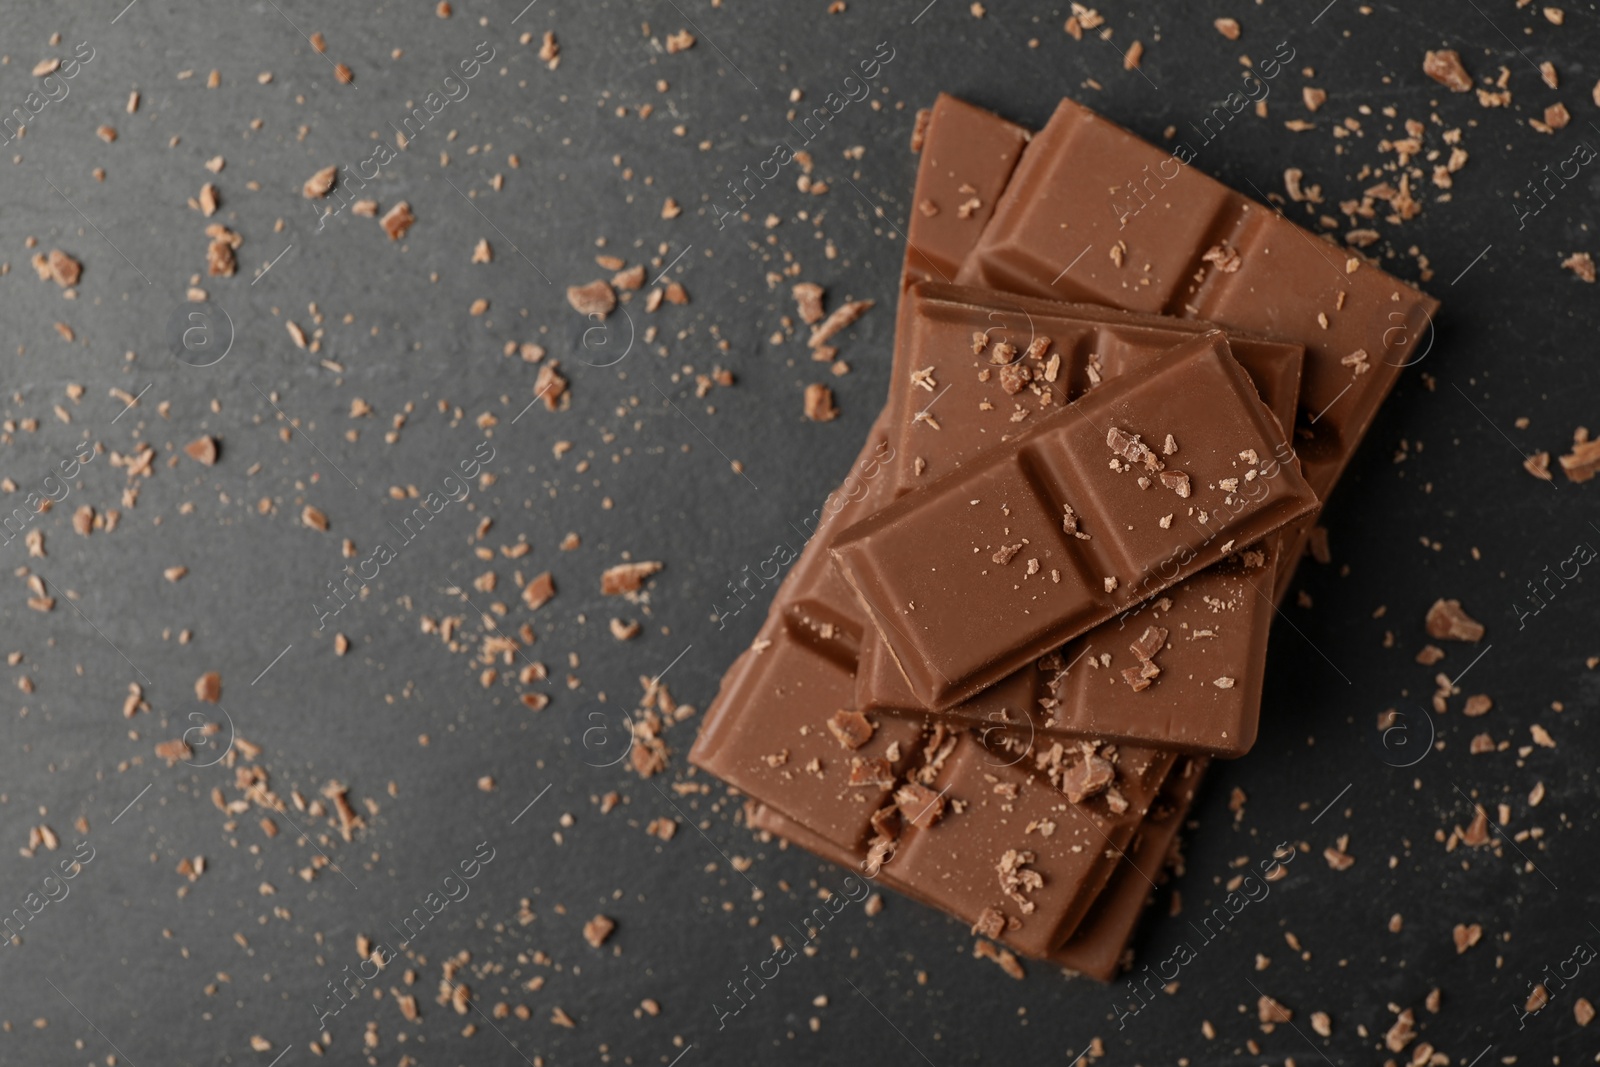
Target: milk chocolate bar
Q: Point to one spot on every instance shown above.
(1035, 355)
(1150, 478)
(1093, 213)
(967, 158)
(1098, 947)
(780, 732)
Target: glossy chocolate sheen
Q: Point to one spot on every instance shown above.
(1095, 214)
(778, 694)
(1098, 946)
(978, 573)
(968, 155)
(1218, 619)
(767, 733)
(1000, 809)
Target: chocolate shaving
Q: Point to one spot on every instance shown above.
(851, 728)
(1446, 620)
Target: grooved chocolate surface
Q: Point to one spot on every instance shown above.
(977, 574)
(1096, 214)
(1218, 618)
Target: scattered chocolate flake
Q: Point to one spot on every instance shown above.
(1005, 553)
(1583, 461)
(1069, 523)
(65, 270)
(808, 298)
(1338, 859)
(1478, 704)
(397, 220)
(680, 41)
(1269, 1010)
(551, 384)
(597, 929)
(1229, 28)
(1581, 264)
(1402, 1033)
(874, 772)
(320, 183)
(919, 128)
(1445, 67)
(174, 751)
(991, 923)
(1086, 778)
(1430, 655)
(1177, 481)
(919, 805)
(208, 687)
(1582, 1011)
(537, 593)
(627, 577)
(314, 518)
(841, 318)
(1226, 258)
(819, 405)
(985, 950)
(1446, 620)
(202, 450)
(851, 728)
(1017, 880)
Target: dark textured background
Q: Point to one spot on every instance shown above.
(124, 963)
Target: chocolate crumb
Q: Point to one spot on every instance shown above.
(538, 591)
(1086, 778)
(919, 805)
(627, 577)
(202, 450)
(597, 929)
(397, 220)
(1446, 620)
(596, 298)
(1007, 961)
(1445, 67)
(851, 728)
(320, 183)
(808, 298)
(819, 406)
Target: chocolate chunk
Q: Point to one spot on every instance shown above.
(851, 728)
(808, 298)
(876, 771)
(1444, 67)
(1086, 778)
(396, 222)
(596, 298)
(1446, 620)
(919, 805)
(320, 183)
(539, 591)
(819, 403)
(627, 577)
(991, 923)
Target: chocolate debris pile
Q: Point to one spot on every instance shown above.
(995, 676)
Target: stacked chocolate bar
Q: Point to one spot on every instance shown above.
(995, 675)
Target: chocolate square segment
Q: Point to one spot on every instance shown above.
(1000, 583)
